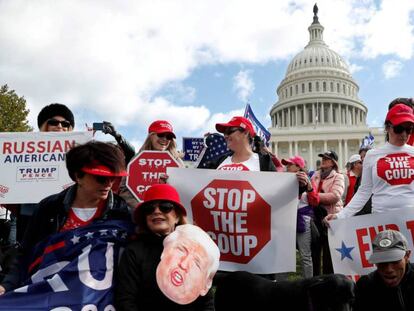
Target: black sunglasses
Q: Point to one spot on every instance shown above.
(164, 207)
(168, 136)
(55, 122)
(104, 179)
(231, 130)
(398, 129)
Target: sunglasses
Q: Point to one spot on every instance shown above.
(167, 136)
(103, 180)
(54, 122)
(164, 207)
(231, 130)
(398, 129)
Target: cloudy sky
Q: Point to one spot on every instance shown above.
(193, 62)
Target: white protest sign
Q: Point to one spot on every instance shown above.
(250, 215)
(33, 164)
(350, 239)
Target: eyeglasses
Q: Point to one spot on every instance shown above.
(231, 130)
(398, 129)
(167, 136)
(104, 179)
(164, 207)
(55, 122)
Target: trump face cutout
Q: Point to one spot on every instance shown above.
(188, 264)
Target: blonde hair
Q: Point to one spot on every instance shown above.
(172, 146)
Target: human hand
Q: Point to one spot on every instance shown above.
(108, 128)
(2, 290)
(303, 178)
(163, 179)
(328, 218)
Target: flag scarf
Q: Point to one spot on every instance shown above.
(72, 270)
(215, 146)
(258, 127)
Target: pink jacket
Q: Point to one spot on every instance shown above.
(331, 191)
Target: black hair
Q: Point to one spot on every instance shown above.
(402, 100)
(53, 110)
(92, 153)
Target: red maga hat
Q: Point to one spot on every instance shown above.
(296, 160)
(400, 113)
(159, 192)
(161, 126)
(242, 122)
(102, 170)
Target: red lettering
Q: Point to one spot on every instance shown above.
(7, 148)
(69, 145)
(57, 147)
(392, 227)
(41, 146)
(363, 247)
(30, 147)
(410, 227)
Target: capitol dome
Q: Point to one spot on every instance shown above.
(318, 107)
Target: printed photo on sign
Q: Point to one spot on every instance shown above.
(33, 164)
(251, 216)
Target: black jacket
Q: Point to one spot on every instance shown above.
(372, 294)
(136, 286)
(49, 218)
(265, 161)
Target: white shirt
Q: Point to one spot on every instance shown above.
(388, 174)
(252, 164)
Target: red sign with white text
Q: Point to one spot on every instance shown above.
(236, 217)
(146, 168)
(396, 169)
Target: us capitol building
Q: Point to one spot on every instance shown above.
(318, 107)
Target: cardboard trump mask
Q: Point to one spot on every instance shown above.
(188, 264)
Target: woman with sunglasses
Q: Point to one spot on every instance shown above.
(55, 118)
(93, 167)
(239, 135)
(157, 216)
(161, 137)
(52, 118)
(387, 172)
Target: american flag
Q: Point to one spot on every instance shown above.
(214, 147)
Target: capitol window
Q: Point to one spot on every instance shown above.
(324, 86)
(310, 86)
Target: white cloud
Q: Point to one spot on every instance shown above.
(243, 85)
(110, 59)
(353, 68)
(391, 68)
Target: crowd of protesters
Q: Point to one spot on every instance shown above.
(98, 170)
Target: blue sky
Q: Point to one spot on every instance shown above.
(194, 63)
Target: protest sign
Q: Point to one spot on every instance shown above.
(146, 168)
(251, 216)
(192, 146)
(33, 166)
(350, 239)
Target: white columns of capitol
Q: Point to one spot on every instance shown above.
(311, 155)
(340, 153)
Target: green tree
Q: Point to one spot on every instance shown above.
(13, 112)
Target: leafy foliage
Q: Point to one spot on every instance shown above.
(13, 112)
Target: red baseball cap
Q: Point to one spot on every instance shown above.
(159, 192)
(102, 170)
(237, 122)
(297, 160)
(400, 113)
(161, 126)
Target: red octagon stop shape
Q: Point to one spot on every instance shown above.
(145, 169)
(236, 217)
(396, 168)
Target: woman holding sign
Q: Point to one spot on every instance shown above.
(141, 285)
(388, 172)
